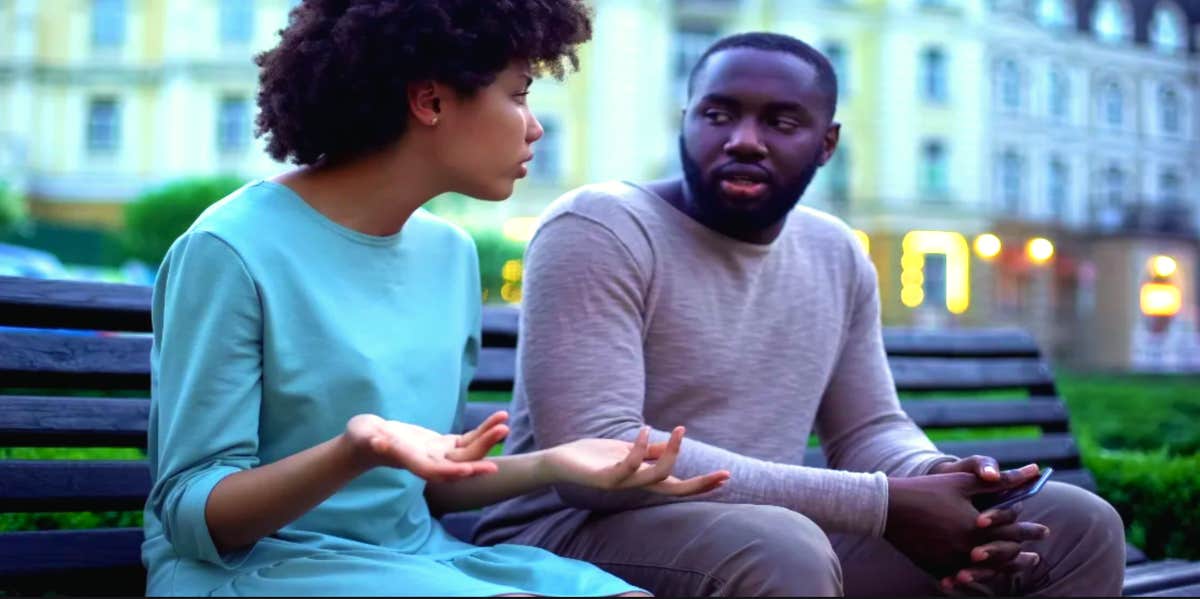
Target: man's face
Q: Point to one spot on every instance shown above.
(755, 131)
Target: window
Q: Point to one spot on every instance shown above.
(934, 284)
(1055, 14)
(1060, 95)
(1113, 190)
(1113, 104)
(1110, 22)
(1058, 188)
(1168, 110)
(236, 21)
(1167, 29)
(233, 124)
(933, 182)
(836, 53)
(839, 178)
(934, 87)
(1170, 187)
(108, 23)
(1009, 81)
(1010, 182)
(547, 152)
(103, 125)
(690, 42)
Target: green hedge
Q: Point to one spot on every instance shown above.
(12, 208)
(1157, 495)
(155, 219)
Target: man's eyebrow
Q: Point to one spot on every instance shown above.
(720, 99)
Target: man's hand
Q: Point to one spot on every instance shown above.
(1001, 555)
(932, 521)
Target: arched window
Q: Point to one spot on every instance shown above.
(1112, 104)
(934, 176)
(1060, 95)
(1113, 187)
(1011, 181)
(934, 84)
(1110, 21)
(1055, 14)
(1169, 110)
(1058, 187)
(1008, 81)
(1167, 30)
(1170, 187)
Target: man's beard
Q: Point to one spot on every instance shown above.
(775, 207)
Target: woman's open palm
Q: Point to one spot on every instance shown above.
(433, 456)
(614, 465)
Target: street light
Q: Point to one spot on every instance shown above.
(988, 246)
(1040, 250)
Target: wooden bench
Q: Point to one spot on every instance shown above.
(44, 367)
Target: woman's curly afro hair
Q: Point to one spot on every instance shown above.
(336, 86)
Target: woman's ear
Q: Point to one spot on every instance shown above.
(424, 102)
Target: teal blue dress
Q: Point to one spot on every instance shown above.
(273, 325)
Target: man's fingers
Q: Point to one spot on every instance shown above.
(1020, 476)
(1018, 532)
(987, 468)
(999, 516)
(994, 554)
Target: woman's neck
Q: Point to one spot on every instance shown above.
(374, 194)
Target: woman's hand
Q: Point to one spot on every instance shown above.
(430, 455)
(615, 465)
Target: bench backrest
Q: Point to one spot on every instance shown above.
(93, 338)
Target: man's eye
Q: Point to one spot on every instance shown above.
(785, 125)
(716, 117)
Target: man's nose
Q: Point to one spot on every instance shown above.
(745, 141)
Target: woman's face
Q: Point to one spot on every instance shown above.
(485, 139)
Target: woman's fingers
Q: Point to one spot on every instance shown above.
(495, 419)
(648, 474)
(632, 462)
(479, 447)
(693, 486)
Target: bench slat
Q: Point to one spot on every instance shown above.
(73, 485)
(1051, 449)
(495, 369)
(48, 551)
(500, 326)
(1191, 590)
(962, 374)
(1149, 577)
(42, 303)
(73, 421)
(77, 362)
(994, 343)
(1048, 413)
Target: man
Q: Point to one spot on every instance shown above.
(708, 301)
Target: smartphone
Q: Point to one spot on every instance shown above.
(1007, 498)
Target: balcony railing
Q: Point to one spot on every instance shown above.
(1171, 217)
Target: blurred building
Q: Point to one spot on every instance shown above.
(1031, 162)
(101, 98)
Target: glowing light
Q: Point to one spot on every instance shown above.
(912, 296)
(520, 228)
(864, 240)
(1161, 299)
(510, 292)
(988, 246)
(958, 283)
(1163, 266)
(1040, 250)
(512, 271)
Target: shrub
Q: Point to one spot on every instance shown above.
(12, 208)
(158, 217)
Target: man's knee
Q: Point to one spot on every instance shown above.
(773, 551)
(1084, 518)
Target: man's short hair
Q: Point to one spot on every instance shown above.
(774, 42)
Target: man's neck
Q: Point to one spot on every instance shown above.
(676, 193)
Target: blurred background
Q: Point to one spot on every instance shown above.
(1005, 162)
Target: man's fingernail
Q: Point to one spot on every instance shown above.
(966, 577)
(982, 555)
(985, 522)
(1030, 469)
(989, 469)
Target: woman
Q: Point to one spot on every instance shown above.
(314, 334)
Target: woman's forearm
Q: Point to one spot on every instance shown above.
(517, 475)
(249, 505)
